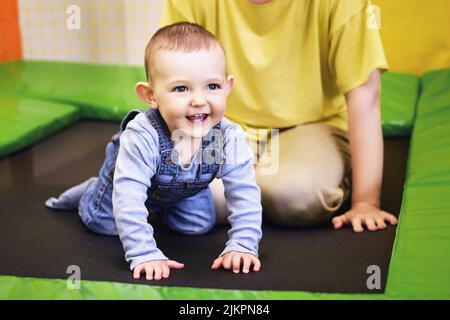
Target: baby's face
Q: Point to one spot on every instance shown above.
(190, 90)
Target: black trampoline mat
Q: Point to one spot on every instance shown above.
(39, 242)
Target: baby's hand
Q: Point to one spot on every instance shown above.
(156, 269)
(234, 260)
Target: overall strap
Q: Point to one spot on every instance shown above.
(130, 116)
(165, 141)
(168, 164)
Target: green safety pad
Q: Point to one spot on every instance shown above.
(26, 121)
(399, 95)
(104, 92)
(420, 264)
(20, 288)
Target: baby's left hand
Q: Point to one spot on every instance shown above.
(234, 260)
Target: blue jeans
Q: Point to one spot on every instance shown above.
(195, 215)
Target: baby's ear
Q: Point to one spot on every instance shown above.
(230, 82)
(145, 92)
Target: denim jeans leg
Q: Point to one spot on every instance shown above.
(70, 199)
(95, 208)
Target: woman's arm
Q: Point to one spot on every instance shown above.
(366, 148)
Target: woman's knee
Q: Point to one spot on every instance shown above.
(302, 207)
(307, 188)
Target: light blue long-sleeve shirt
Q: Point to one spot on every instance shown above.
(137, 163)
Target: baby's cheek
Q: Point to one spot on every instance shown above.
(220, 106)
(175, 102)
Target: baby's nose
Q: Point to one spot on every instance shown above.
(198, 99)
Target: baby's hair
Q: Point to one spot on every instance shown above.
(180, 36)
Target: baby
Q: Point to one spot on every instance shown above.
(163, 159)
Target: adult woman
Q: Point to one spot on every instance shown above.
(312, 70)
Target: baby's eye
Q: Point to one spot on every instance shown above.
(180, 89)
(213, 86)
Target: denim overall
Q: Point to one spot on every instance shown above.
(183, 201)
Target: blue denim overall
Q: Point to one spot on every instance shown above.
(184, 204)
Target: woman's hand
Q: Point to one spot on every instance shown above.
(364, 214)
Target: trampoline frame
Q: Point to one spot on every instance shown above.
(401, 282)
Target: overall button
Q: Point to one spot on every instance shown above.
(211, 156)
(168, 160)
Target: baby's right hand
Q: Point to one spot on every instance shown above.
(156, 269)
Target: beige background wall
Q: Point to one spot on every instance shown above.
(111, 31)
(415, 33)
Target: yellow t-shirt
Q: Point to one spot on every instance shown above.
(293, 60)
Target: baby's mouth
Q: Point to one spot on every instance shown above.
(198, 118)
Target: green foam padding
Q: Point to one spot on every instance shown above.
(399, 95)
(18, 288)
(25, 121)
(420, 265)
(104, 92)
